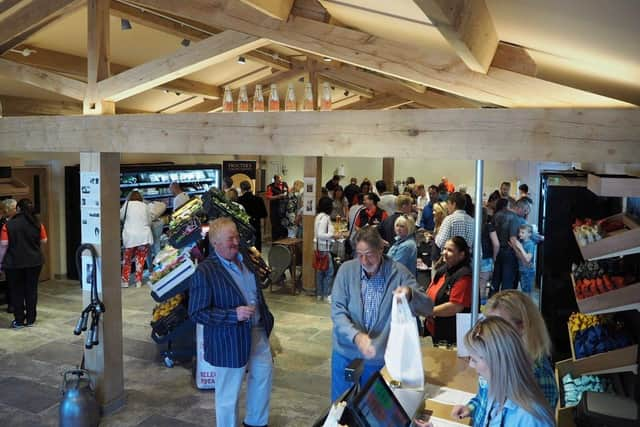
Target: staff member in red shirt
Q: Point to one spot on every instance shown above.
(20, 241)
(450, 290)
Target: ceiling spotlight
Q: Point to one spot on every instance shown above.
(125, 24)
(185, 42)
(346, 93)
(241, 60)
(301, 79)
(327, 59)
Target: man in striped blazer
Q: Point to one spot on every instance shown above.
(226, 299)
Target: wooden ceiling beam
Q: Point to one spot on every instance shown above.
(278, 9)
(579, 135)
(498, 87)
(25, 21)
(197, 56)
(468, 28)
(76, 66)
(380, 102)
(381, 84)
(270, 58)
(98, 57)
(514, 58)
(184, 28)
(311, 9)
(43, 79)
(5, 5)
(18, 106)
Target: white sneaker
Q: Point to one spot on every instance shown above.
(138, 284)
(329, 299)
(319, 298)
(124, 284)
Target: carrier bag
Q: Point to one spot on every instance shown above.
(403, 357)
(205, 375)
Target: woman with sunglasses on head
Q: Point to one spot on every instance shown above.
(519, 310)
(450, 290)
(513, 396)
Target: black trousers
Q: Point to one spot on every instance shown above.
(23, 287)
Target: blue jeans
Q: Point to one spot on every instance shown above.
(526, 280)
(505, 271)
(338, 384)
(324, 279)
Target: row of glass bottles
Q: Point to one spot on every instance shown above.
(290, 103)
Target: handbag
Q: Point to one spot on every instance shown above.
(320, 258)
(124, 219)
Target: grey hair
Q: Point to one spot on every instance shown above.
(10, 204)
(371, 237)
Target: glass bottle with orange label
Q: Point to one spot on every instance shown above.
(307, 104)
(243, 100)
(325, 102)
(227, 101)
(258, 100)
(290, 101)
(274, 100)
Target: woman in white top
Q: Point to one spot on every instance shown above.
(137, 236)
(324, 234)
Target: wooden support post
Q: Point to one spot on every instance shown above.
(104, 361)
(388, 172)
(98, 52)
(312, 168)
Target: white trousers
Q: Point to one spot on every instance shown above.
(259, 378)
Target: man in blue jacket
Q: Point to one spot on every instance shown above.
(363, 291)
(226, 299)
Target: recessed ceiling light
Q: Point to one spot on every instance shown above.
(242, 60)
(125, 24)
(327, 59)
(185, 42)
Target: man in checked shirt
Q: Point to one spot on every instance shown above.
(363, 292)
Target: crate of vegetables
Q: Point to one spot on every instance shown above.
(616, 235)
(603, 285)
(171, 278)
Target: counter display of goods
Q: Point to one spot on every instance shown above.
(574, 387)
(597, 277)
(153, 181)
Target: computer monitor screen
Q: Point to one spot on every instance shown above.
(378, 407)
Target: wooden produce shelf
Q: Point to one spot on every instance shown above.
(614, 185)
(623, 359)
(626, 298)
(617, 243)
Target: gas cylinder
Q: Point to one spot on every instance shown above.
(78, 407)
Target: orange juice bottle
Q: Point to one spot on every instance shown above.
(290, 101)
(258, 100)
(307, 104)
(274, 101)
(227, 101)
(243, 100)
(325, 103)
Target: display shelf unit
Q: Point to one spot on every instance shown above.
(154, 180)
(623, 359)
(617, 243)
(626, 298)
(614, 185)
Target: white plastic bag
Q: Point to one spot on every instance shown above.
(403, 357)
(205, 375)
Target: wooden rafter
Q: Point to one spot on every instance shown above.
(25, 21)
(585, 135)
(278, 9)
(514, 58)
(18, 106)
(498, 87)
(381, 84)
(185, 28)
(98, 57)
(43, 79)
(467, 26)
(76, 67)
(380, 102)
(197, 56)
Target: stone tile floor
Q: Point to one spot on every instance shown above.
(32, 361)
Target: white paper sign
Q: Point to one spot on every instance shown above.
(89, 190)
(90, 225)
(309, 205)
(205, 374)
(309, 186)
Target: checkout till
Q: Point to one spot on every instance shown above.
(383, 402)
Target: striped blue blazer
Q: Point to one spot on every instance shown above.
(213, 299)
